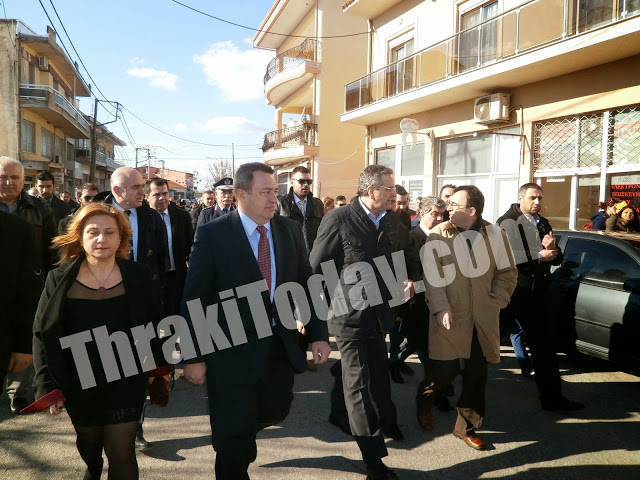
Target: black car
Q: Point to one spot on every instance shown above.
(595, 295)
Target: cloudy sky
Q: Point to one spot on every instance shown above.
(186, 74)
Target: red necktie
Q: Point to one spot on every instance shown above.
(264, 255)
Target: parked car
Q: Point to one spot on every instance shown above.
(595, 295)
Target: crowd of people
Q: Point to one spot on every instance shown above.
(121, 260)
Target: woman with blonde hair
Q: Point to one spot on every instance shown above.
(96, 293)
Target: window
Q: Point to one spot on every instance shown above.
(488, 161)
(70, 151)
(401, 69)
(476, 47)
(46, 143)
(283, 183)
(386, 157)
(59, 149)
(599, 263)
(28, 135)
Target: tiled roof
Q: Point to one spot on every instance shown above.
(346, 5)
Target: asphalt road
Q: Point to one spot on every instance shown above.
(602, 442)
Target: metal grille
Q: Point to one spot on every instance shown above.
(577, 142)
(309, 50)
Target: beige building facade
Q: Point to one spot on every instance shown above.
(317, 50)
(40, 120)
(499, 93)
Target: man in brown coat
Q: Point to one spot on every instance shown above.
(470, 275)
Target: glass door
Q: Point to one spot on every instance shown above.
(477, 45)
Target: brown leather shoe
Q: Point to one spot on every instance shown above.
(425, 420)
(472, 440)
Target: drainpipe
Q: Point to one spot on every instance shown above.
(18, 71)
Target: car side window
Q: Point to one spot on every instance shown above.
(598, 263)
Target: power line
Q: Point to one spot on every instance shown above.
(182, 138)
(263, 31)
(104, 97)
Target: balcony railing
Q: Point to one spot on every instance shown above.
(43, 92)
(303, 134)
(309, 50)
(531, 25)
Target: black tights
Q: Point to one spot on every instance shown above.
(118, 442)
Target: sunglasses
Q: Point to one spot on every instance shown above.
(304, 181)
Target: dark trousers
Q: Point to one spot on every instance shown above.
(532, 313)
(365, 380)
(472, 402)
(238, 411)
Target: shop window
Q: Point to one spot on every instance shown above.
(28, 136)
(386, 157)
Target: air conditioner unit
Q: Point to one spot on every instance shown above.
(492, 109)
(43, 64)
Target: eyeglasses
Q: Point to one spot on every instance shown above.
(303, 181)
(390, 189)
(88, 198)
(455, 206)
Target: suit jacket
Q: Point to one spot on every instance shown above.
(182, 240)
(347, 236)
(60, 208)
(52, 371)
(152, 239)
(20, 287)
(222, 259)
(211, 213)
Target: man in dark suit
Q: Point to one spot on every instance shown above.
(207, 200)
(46, 184)
(179, 236)
(19, 294)
(224, 202)
(253, 253)
(148, 236)
(352, 237)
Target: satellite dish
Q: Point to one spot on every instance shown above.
(409, 126)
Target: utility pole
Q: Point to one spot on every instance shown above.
(233, 160)
(92, 167)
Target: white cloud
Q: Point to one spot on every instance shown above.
(180, 127)
(231, 126)
(158, 78)
(238, 73)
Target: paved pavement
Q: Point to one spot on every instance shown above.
(603, 442)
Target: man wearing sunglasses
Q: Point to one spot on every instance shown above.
(300, 205)
(88, 192)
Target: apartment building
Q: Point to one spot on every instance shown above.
(317, 49)
(39, 91)
(501, 92)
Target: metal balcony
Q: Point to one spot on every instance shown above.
(289, 70)
(291, 144)
(55, 108)
(531, 27)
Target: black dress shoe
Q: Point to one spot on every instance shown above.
(561, 404)
(141, 443)
(342, 422)
(17, 404)
(392, 431)
(406, 369)
(394, 371)
(442, 403)
(379, 471)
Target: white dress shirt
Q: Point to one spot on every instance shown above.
(133, 220)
